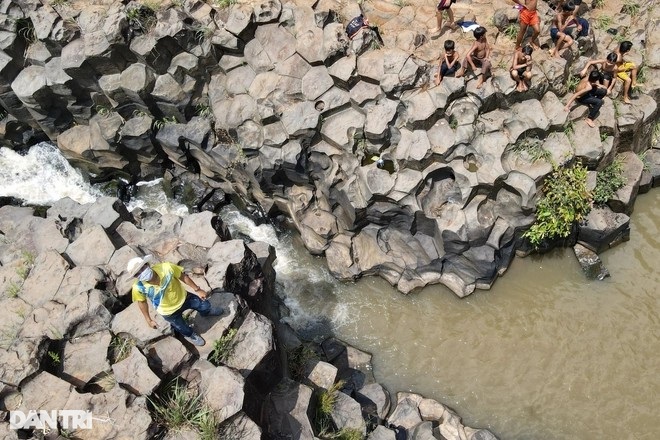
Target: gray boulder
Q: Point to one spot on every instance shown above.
(286, 409)
(86, 357)
(134, 374)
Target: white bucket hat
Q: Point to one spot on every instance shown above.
(135, 264)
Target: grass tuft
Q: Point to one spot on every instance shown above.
(223, 347)
(533, 149)
(511, 31)
(120, 348)
(630, 7)
(224, 3)
(180, 407)
(298, 359)
(603, 22)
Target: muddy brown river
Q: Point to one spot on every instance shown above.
(544, 355)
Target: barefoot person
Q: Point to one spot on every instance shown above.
(450, 62)
(528, 17)
(589, 92)
(608, 68)
(521, 68)
(563, 25)
(161, 284)
(478, 56)
(626, 70)
(443, 5)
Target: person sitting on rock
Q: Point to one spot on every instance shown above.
(478, 56)
(450, 62)
(443, 5)
(521, 68)
(624, 68)
(589, 92)
(162, 285)
(528, 17)
(563, 25)
(608, 69)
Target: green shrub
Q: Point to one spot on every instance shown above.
(223, 347)
(564, 202)
(642, 74)
(572, 82)
(608, 181)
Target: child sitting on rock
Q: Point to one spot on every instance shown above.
(608, 69)
(521, 68)
(626, 70)
(478, 56)
(563, 25)
(589, 92)
(449, 64)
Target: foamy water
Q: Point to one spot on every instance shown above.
(42, 176)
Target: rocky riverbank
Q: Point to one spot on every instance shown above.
(72, 339)
(272, 103)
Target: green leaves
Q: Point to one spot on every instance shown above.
(565, 201)
(608, 181)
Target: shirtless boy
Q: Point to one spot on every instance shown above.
(528, 17)
(608, 68)
(478, 56)
(563, 25)
(589, 92)
(449, 64)
(521, 68)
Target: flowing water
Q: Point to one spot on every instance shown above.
(545, 354)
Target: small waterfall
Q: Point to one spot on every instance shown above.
(41, 176)
(315, 299)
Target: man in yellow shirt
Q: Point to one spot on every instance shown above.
(161, 284)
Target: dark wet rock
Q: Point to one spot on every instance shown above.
(603, 229)
(591, 264)
(286, 410)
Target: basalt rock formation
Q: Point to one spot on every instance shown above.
(379, 170)
(71, 339)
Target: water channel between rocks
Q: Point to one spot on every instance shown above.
(545, 354)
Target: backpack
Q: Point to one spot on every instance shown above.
(354, 26)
